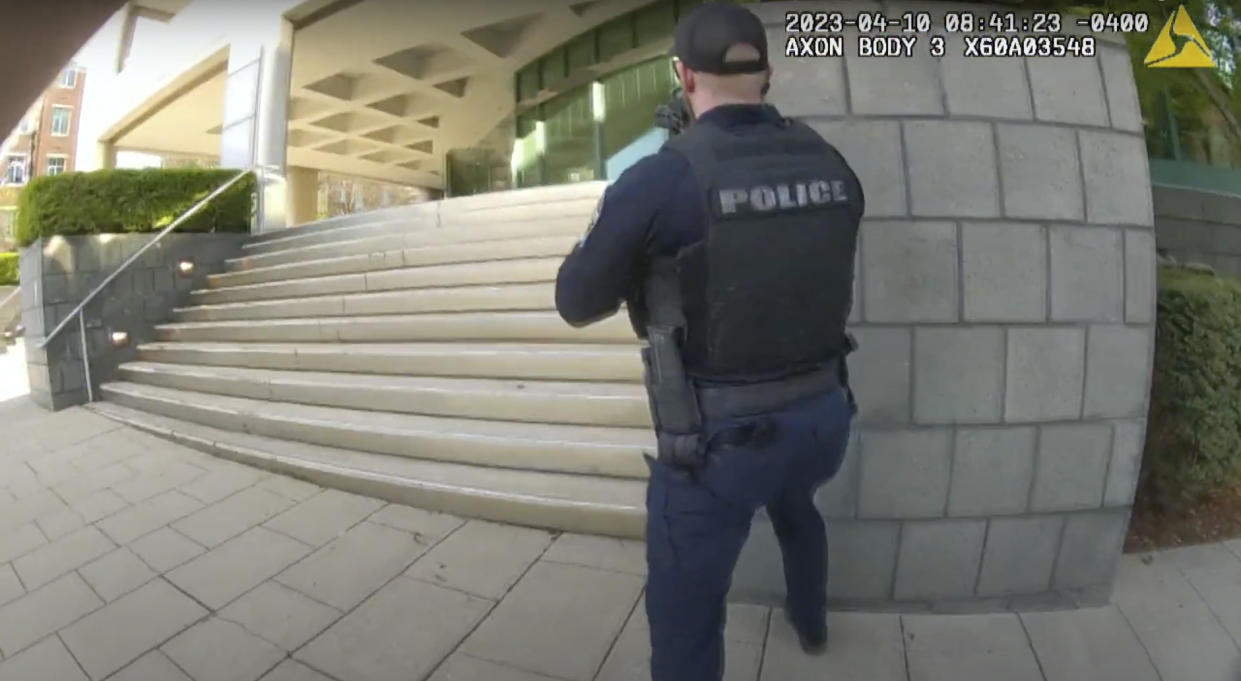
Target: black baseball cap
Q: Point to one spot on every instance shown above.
(704, 36)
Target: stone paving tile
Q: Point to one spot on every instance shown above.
(86, 484)
(154, 666)
(482, 558)
(116, 574)
(98, 505)
(605, 553)
(1176, 627)
(968, 648)
(400, 633)
(291, 488)
(44, 611)
(280, 615)
(71, 427)
(460, 667)
(1215, 573)
(323, 517)
(291, 670)
(744, 634)
(16, 476)
(47, 661)
(10, 586)
(124, 630)
(20, 541)
(17, 513)
(157, 481)
(226, 519)
(236, 566)
(147, 516)
(630, 657)
(215, 650)
(538, 626)
(165, 549)
(426, 526)
(346, 571)
(66, 554)
(60, 523)
(221, 483)
(862, 647)
(1095, 644)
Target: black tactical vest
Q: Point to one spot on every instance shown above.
(768, 290)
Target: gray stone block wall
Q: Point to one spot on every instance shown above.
(1199, 226)
(1004, 306)
(57, 273)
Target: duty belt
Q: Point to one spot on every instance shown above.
(718, 402)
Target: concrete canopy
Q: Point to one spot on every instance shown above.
(384, 88)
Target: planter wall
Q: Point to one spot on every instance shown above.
(58, 272)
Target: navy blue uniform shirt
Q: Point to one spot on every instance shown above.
(654, 208)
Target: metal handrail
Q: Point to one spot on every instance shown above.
(78, 311)
(12, 294)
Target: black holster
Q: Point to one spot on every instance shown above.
(673, 401)
(850, 347)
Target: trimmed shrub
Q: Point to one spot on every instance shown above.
(8, 269)
(118, 201)
(1193, 441)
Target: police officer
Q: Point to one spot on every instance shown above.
(733, 248)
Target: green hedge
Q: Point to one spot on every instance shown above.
(1194, 435)
(117, 201)
(8, 269)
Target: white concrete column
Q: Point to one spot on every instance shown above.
(105, 155)
(254, 128)
(303, 195)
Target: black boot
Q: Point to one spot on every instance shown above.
(812, 642)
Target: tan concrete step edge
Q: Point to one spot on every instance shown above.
(557, 502)
(565, 362)
(517, 271)
(498, 298)
(534, 327)
(549, 402)
(492, 251)
(584, 450)
(486, 231)
(378, 228)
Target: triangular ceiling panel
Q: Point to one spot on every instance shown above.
(502, 37)
(456, 88)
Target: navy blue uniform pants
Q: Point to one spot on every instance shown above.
(696, 526)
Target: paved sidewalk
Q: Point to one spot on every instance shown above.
(128, 558)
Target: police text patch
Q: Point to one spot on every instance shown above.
(779, 197)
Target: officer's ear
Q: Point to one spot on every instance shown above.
(767, 83)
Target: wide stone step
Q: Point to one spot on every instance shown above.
(585, 450)
(419, 256)
(416, 301)
(377, 226)
(465, 232)
(495, 272)
(577, 402)
(534, 327)
(429, 218)
(570, 503)
(617, 363)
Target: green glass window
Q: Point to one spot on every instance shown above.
(569, 132)
(631, 96)
(552, 67)
(616, 37)
(581, 52)
(655, 21)
(528, 82)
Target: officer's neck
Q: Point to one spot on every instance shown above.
(716, 103)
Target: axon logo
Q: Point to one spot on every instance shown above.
(782, 196)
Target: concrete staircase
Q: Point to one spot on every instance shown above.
(415, 356)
